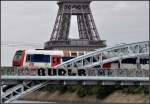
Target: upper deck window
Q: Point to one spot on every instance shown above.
(37, 58)
(74, 54)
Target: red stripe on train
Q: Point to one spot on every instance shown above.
(22, 58)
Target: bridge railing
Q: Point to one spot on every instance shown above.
(17, 71)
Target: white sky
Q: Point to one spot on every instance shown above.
(33, 21)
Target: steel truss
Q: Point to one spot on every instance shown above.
(20, 90)
(138, 50)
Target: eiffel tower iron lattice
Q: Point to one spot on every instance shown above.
(89, 38)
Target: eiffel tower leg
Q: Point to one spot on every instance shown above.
(81, 27)
(55, 32)
(83, 34)
(64, 27)
(61, 27)
(92, 25)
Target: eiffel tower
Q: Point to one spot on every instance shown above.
(89, 38)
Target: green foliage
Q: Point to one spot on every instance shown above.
(103, 91)
(62, 89)
(136, 89)
(71, 89)
(81, 91)
(98, 90)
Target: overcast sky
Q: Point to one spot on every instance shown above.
(32, 22)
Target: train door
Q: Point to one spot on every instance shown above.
(55, 60)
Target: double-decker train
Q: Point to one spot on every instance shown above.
(51, 58)
(43, 58)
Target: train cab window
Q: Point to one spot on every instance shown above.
(17, 55)
(18, 58)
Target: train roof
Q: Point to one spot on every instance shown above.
(51, 52)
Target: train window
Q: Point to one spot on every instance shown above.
(74, 54)
(144, 61)
(17, 55)
(129, 61)
(66, 53)
(28, 58)
(38, 58)
(81, 53)
(18, 52)
(66, 58)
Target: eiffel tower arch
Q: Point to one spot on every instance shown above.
(89, 38)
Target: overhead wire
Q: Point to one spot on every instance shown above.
(20, 44)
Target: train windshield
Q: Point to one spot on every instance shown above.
(37, 58)
(17, 56)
